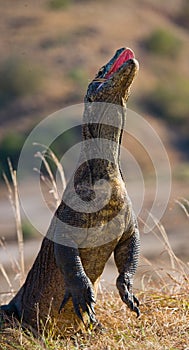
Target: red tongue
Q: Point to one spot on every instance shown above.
(126, 55)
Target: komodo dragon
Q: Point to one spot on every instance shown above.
(64, 277)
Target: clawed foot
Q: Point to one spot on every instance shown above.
(80, 289)
(125, 291)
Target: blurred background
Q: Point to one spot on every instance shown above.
(50, 50)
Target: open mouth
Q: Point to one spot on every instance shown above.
(117, 75)
(125, 55)
(121, 57)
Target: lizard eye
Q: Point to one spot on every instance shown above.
(101, 71)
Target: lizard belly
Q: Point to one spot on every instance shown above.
(94, 260)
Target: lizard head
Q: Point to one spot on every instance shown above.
(112, 82)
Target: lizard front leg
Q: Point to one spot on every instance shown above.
(126, 255)
(78, 286)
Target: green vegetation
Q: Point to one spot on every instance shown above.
(59, 4)
(10, 146)
(163, 43)
(181, 173)
(18, 78)
(63, 4)
(28, 230)
(169, 100)
(79, 77)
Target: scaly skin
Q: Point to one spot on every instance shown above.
(64, 277)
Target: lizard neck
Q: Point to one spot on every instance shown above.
(102, 129)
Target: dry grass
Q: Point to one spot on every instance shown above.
(164, 320)
(14, 200)
(163, 324)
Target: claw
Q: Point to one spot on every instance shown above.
(90, 296)
(92, 309)
(132, 307)
(136, 309)
(84, 306)
(91, 314)
(80, 290)
(92, 318)
(136, 300)
(127, 299)
(86, 309)
(64, 301)
(77, 310)
(92, 300)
